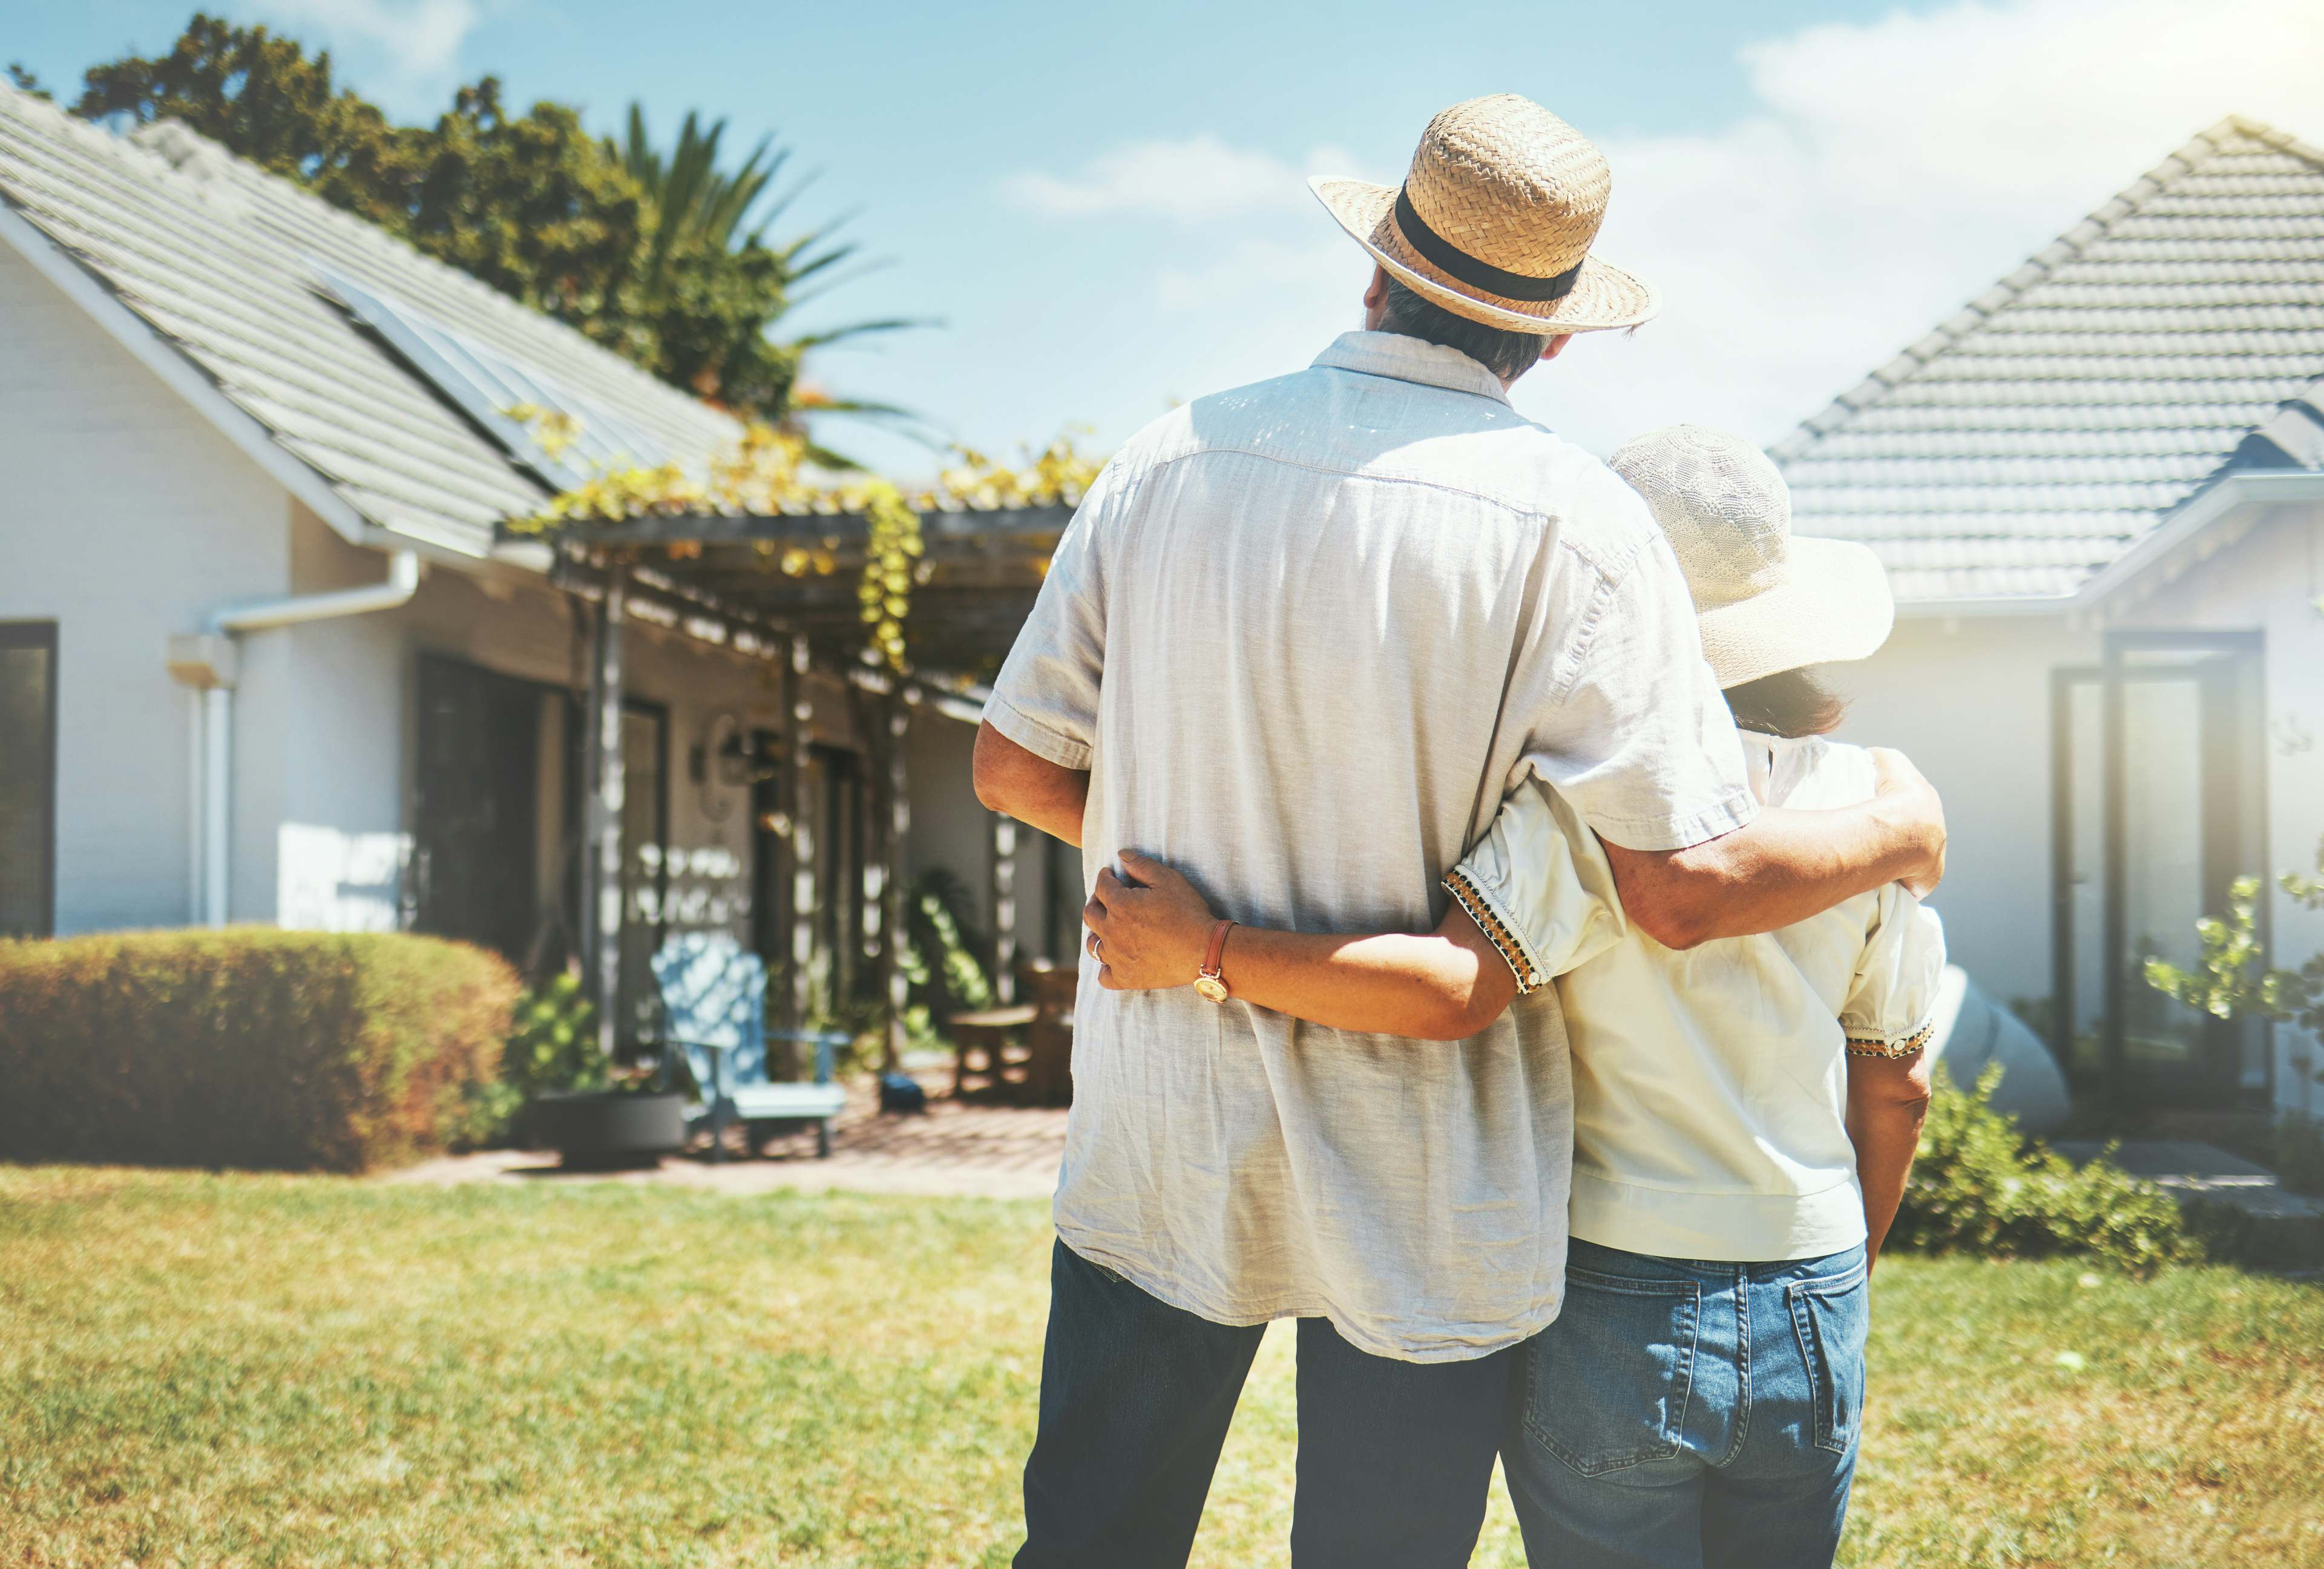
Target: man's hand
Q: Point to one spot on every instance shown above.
(1149, 931)
(1909, 802)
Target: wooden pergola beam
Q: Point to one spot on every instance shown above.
(801, 529)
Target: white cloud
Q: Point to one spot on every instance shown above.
(420, 39)
(1889, 171)
(1198, 178)
(1284, 269)
(1893, 171)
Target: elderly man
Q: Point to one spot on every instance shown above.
(1298, 640)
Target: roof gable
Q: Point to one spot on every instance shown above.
(218, 257)
(2053, 422)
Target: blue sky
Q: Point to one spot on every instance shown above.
(1104, 204)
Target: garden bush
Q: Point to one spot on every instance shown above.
(552, 1044)
(1981, 1186)
(249, 1046)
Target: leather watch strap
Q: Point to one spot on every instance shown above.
(1217, 947)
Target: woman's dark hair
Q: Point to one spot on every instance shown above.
(1507, 355)
(1788, 703)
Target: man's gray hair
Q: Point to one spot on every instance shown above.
(1507, 355)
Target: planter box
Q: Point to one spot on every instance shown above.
(609, 1128)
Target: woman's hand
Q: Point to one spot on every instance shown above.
(1148, 931)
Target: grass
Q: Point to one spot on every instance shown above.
(250, 1370)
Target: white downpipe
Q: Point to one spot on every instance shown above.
(197, 777)
(217, 783)
(402, 582)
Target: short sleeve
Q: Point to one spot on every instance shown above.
(1895, 992)
(1046, 697)
(1634, 733)
(1539, 885)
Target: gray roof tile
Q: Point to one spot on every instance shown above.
(2040, 431)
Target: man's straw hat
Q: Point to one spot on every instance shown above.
(1495, 219)
(1768, 599)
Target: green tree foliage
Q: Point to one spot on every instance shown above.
(655, 257)
(2233, 979)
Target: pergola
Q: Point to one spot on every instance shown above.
(784, 589)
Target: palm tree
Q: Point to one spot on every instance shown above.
(693, 202)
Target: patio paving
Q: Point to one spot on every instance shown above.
(971, 1149)
(2195, 1170)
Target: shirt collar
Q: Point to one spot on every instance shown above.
(1411, 359)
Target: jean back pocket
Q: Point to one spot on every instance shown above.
(1606, 1385)
(1833, 1315)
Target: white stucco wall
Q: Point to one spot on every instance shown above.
(2272, 579)
(1968, 700)
(125, 517)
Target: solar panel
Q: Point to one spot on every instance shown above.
(485, 384)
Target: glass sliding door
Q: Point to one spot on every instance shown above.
(2157, 812)
(28, 778)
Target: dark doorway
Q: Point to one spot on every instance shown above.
(28, 778)
(770, 837)
(475, 849)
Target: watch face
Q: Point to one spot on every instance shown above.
(1210, 989)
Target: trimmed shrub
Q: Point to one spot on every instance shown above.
(249, 1046)
(1981, 1186)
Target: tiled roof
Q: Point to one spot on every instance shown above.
(2036, 435)
(215, 253)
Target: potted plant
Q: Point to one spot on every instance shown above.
(577, 1103)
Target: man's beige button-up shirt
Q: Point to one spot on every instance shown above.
(1304, 635)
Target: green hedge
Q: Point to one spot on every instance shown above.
(248, 1046)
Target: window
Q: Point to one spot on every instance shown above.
(485, 384)
(28, 778)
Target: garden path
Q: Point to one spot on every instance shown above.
(957, 1148)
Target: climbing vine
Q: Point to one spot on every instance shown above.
(767, 474)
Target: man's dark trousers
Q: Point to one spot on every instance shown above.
(1394, 1457)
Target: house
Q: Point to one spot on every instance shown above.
(2099, 493)
(266, 654)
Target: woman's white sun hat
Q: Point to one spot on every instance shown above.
(1768, 599)
(1495, 219)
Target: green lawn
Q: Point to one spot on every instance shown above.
(258, 1370)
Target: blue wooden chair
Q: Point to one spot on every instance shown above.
(713, 1009)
